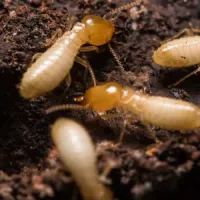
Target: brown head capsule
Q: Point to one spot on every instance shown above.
(100, 31)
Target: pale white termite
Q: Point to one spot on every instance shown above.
(163, 112)
(55, 64)
(180, 53)
(77, 152)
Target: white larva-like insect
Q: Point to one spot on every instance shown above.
(163, 112)
(55, 64)
(77, 152)
(180, 53)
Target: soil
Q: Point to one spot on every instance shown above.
(30, 167)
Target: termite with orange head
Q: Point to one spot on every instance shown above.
(77, 152)
(163, 112)
(180, 53)
(55, 64)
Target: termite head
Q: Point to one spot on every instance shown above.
(100, 30)
(102, 97)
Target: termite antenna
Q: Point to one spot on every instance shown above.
(91, 72)
(116, 57)
(65, 107)
(92, 75)
(124, 7)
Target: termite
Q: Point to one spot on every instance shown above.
(55, 64)
(180, 53)
(77, 152)
(163, 112)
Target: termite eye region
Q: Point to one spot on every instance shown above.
(103, 97)
(100, 30)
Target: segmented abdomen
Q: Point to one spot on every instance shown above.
(163, 112)
(52, 67)
(183, 52)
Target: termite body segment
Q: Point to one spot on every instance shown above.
(159, 111)
(54, 65)
(77, 152)
(163, 112)
(179, 53)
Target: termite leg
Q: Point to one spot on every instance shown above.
(109, 116)
(122, 131)
(186, 31)
(185, 77)
(89, 48)
(104, 116)
(127, 118)
(152, 149)
(194, 30)
(70, 22)
(85, 61)
(57, 34)
(68, 81)
(104, 175)
(86, 64)
(116, 57)
(152, 133)
(35, 57)
(112, 116)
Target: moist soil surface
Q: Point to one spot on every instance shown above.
(29, 165)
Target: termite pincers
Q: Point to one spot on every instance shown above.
(55, 64)
(163, 112)
(180, 53)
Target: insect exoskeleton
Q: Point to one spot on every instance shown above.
(163, 112)
(77, 152)
(55, 64)
(178, 53)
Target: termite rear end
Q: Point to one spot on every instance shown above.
(171, 114)
(163, 112)
(183, 52)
